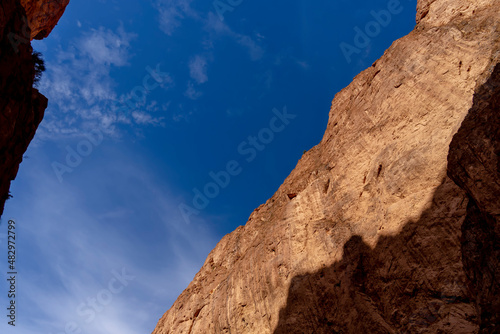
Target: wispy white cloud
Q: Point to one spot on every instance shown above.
(143, 118)
(255, 50)
(106, 47)
(172, 12)
(218, 28)
(71, 250)
(82, 93)
(181, 114)
(198, 69)
(191, 92)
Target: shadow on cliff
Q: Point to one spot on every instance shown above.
(440, 274)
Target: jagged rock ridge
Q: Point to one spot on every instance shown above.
(21, 106)
(394, 228)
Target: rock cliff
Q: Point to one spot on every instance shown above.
(21, 105)
(395, 225)
(43, 15)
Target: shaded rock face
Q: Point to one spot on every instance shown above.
(394, 226)
(412, 282)
(21, 106)
(474, 164)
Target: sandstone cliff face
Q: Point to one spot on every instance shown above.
(21, 105)
(394, 228)
(43, 15)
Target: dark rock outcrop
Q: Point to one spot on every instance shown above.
(21, 106)
(474, 164)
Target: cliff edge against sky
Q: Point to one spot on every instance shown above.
(395, 225)
(21, 106)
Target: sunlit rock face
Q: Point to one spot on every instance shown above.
(394, 226)
(21, 105)
(43, 15)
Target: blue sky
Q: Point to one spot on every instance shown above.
(152, 103)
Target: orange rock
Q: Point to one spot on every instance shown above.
(43, 15)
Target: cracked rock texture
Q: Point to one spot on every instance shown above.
(43, 15)
(21, 106)
(394, 228)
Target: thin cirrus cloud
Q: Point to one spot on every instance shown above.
(172, 12)
(82, 93)
(171, 15)
(198, 69)
(70, 248)
(191, 92)
(106, 47)
(217, 28)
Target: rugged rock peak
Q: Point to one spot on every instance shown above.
(392, 230)
(43, 15)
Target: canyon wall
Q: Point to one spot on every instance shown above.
(21, 106)
(395, 225)
(43, 15)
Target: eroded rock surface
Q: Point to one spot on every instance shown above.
(43, 15)
(392, 230)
